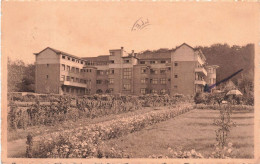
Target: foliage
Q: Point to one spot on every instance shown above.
(20, 76)
(222, 133)
(87, 141)
(217, 107)
(61, 108)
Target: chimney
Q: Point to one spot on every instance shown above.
(122, 48)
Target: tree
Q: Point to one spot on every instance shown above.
(20, 77)
(15, 75)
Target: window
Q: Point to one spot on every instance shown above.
(68, 78)
(126, 61)
(100, 72)
(77, 70)
(154, 81)
(169, 68)
(175, 64)
(126, 87)
(73, 59)
(112, 61)
(142, 62)
(47, 76)
(81, 62)
(169, 80)
(85, 81)
(72, 79)
(111, 90)
(62, 78)
(153, 71)
(77, 80)
(154, 91)
(143, 90)
(68, 58)
(144, 81)
(72, 69)
(127, 73)
(111, 81)
(63, 67)
(163, 81)
(163, 61)
(111, 71)
(89, 70)
(152, 62)
(63, 57)
(210, 70)
(163, 71)
(143, 70)
(99, 81)
(175, 76)
(99, 91)
(163, 91)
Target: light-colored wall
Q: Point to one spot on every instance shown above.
(183, 53)
(186, 77)
(47, 57)
(50, 85)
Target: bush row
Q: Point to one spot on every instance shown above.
(39, 113)
(87, 141)
(217, 107)
(216, 98)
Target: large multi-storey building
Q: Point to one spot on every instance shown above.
(181, 70)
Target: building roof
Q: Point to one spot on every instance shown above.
(154, 55)
(98, 58)
(59, 52)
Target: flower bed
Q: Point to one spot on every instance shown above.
(216, 107)
(87, 141)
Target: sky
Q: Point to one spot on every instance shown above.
(92, 28)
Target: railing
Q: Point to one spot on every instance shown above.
(75, 84)
(201, 70)
(200, 82)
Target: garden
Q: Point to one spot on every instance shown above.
(112, 126)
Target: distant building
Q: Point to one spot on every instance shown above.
(181, 71)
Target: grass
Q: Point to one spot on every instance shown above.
(193, 130)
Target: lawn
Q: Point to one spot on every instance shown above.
(193, 130)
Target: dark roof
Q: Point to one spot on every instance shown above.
(154, 55)
(98, 58)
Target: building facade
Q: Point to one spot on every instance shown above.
(178, 71)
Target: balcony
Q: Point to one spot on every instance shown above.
(201, 71)
(200, 82)
(75, 84)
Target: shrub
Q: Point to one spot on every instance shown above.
(87, 141)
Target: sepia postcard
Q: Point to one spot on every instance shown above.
(130, 82)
